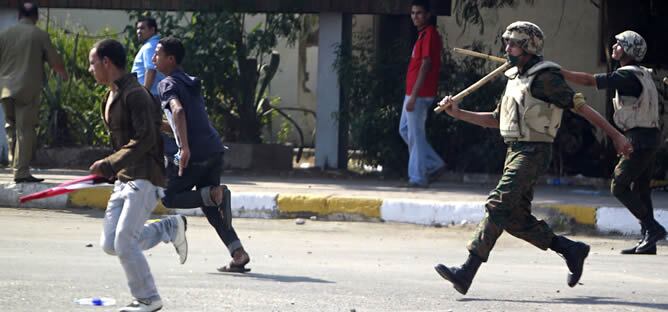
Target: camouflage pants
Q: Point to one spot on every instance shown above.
(509, 204)
(631, 184)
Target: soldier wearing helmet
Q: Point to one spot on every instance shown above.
(528, 117)
(636, 105)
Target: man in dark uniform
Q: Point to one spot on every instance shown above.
(636, 106)
(528, 117)
(23, 50)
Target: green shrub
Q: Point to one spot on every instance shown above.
(234, 64)
(70, 113)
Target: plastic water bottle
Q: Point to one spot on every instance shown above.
(96, 301)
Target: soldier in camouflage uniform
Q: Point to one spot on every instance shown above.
(528, 117)
(636, 106)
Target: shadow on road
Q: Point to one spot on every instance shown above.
(277, 278)
(589, 300)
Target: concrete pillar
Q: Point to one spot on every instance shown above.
(8, 17)
(329, 139)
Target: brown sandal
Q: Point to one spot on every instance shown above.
(238, 263)
(233, 269)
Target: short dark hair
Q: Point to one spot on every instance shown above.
(28, 9)
(425, 4)
(113, 50)
(173, 46)
(149, 21)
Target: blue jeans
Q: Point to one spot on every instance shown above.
(202, 175)
(125, 235)
(422, 159)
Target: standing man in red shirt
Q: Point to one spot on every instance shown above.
(424, 164)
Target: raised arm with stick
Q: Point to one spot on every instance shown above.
(472, 88)
(443, 104)
(484, 119)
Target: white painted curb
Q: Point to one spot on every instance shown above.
(245, 205)
(10, 193)
(265, 205)
(431, 212)
(620, 220)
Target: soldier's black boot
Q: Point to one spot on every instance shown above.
(655, 232)
(574, 253)
(632, 251)
(461, 278)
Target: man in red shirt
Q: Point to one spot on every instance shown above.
(424, 164)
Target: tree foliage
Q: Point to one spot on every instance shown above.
(468, 12)
(234, 63)
(69, 113)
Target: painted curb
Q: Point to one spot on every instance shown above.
(582, 214)
(273, 205)
(244, 205)
(345, 208)
(616, 220)
(98, 197)
(10, 193)
(431, 212)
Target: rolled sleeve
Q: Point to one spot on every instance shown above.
(578, 101)
(147, 57)
(426, 43)
(601, 81)
(497, 112)
(168, 91)
(624, 81)
(550, 86)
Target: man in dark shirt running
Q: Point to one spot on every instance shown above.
(199, 160)
(636, 106)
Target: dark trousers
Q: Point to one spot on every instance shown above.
(180, 194)
(509, 204)
(631, 184)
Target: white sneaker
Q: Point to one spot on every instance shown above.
(179, 241)
(142, 306)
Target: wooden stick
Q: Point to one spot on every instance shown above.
(480, 55)
(441, 105)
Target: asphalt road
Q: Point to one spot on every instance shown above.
(319, 266)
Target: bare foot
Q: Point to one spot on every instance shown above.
(240, 257)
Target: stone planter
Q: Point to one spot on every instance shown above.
(258, 156)
(69, 157)
(238, 156)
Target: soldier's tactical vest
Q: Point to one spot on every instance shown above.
(643, 111)
(524, 117)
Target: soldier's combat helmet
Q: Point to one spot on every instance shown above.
(527, 35)
(633, 44)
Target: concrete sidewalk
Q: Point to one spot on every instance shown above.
(346, 198)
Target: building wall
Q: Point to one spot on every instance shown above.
(303, 93)
(94, 21)
(572, 34)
